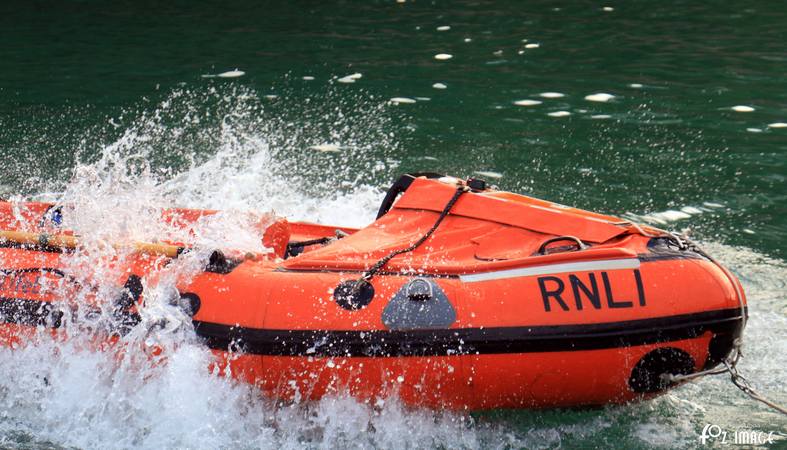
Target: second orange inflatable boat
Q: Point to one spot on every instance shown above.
(457, 296)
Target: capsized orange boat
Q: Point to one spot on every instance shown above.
(458, 296)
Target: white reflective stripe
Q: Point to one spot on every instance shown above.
(604, 264)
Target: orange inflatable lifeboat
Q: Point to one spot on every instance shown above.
(457, 296)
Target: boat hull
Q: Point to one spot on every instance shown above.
(481, 317)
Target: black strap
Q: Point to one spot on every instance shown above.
(369, 274)
(295, 248)
(400, 186)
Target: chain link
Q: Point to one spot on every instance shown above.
(730, 366)
(744, 385)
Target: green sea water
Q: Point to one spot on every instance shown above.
(692, 136)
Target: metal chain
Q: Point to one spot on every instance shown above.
(744, 385)
(729, 361)
(730, 366)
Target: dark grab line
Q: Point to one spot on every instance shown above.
(461, 341)
(432, 342)
(29, 312)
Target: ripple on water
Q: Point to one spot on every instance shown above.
(527, 102)
(443, 56)
(399, 100)
(352, 78)
(231, 74)
(326, 147)
(691, 210)
(228, 74)
(599, 97)
(559, 114)
(674, 215)
(742, 108)
(489, 174)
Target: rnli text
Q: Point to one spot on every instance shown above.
(585, 290)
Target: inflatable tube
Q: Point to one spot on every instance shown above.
(457, 296)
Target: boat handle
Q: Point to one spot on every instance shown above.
(542, 249)
(399, 186)
(419, 290)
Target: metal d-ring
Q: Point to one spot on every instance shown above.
(415, 294)
(580, 245)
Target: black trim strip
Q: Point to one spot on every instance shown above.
(24, 311)
(444, 342)
(438, 342)
(53, 270)
(34, 247)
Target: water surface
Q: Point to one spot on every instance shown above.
(687, 139)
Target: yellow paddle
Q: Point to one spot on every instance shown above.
(70, 242)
